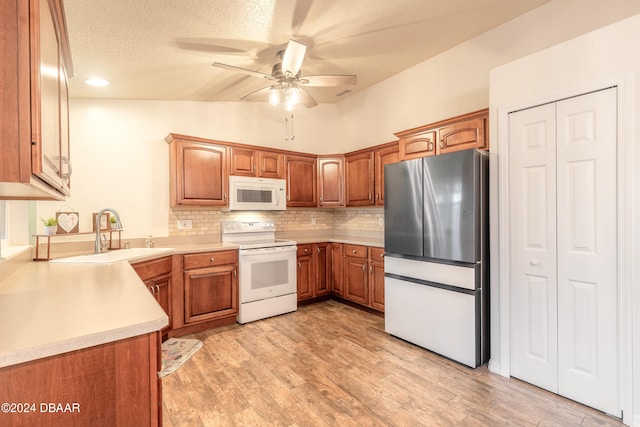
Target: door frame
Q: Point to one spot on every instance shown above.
(500, 237)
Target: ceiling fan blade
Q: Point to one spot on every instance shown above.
(329, 80)
(258, 95)
(243, 70)
(293, 57)
(306, 99)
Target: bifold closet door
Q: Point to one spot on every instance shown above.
(563, 245)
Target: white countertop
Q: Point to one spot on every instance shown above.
(50, 308)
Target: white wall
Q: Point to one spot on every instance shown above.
(595, 60)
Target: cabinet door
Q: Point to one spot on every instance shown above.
(301, 181)
(461, 136)
(420, 145)
(243, 162)
(160, 288)
(305, 277)
(337, 260)
(376, 285)
(322, 264)
(359, 179)
(198, 174)
(330, 177)
(45, 94)
(383, 157)
(271, 165)
(210, 293)
(355, 280)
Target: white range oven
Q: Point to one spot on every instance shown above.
(267, 269)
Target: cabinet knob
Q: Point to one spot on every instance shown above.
(354, 251)
(212, 259)
(306, 250)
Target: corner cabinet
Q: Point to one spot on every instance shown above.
(330, 182)
(34, 137)
(454, 134)
(156, 275)
(198, 172)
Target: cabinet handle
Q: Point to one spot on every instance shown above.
(318, 249)
(212, 259)
(534, 263)
(262, 168)
(65, 160)
(224, 196)
(430, 146)
(151, 290)
(235, 273)
(157, 290)
(321, 199)
(442, 143)
(299, 265)
(371, 269)
(378, 196)
(363, 268)
(254, 168)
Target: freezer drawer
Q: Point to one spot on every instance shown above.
(443, 321)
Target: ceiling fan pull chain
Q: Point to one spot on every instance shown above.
(286, 129)
(293, 135)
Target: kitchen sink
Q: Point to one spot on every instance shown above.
(132, 254)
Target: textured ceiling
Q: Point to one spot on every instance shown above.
(163, 49)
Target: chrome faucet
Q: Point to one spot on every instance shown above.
(97, 247)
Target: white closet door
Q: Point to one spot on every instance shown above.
(563, 241)
(587, 276)
(532, 224)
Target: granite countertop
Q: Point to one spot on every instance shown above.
(49, 308)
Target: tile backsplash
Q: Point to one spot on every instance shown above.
(208, 221)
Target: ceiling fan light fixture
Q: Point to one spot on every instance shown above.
(295, 94)
(274, 95)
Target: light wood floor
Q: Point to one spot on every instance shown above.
(329, 364)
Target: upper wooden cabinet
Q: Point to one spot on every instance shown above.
(301, 181)
(457, 133)
(265, 164)
(34, 136)
(364, 174)
(330, 181)
(359, 178)
(198, 173)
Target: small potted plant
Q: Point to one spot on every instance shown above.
(113, 222)
(50, 225)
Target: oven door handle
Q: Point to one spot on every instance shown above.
(268, 251)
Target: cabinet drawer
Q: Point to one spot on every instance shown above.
(356, 251)
(154, 268)
(305, 249)
(376, 254)
(209, 259)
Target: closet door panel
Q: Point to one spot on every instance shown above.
(587, 243)
(533, 252)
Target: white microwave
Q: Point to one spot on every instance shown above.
(256, 194)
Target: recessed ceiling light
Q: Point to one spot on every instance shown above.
(96, 82)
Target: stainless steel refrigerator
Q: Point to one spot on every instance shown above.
(436, 254)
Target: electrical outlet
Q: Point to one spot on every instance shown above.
(380, 221)
(184, 224)
(313, 221)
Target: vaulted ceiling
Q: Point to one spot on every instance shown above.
(163, 50)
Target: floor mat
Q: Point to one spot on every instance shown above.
(176, 351)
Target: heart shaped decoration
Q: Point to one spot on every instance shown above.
(68, 221)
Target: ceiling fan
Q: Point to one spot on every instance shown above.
(288, 81)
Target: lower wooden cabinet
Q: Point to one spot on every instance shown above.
(113, 384)
(156, 275)
(363, 276)
(337, 271)
(314, 270)
(210, 286)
